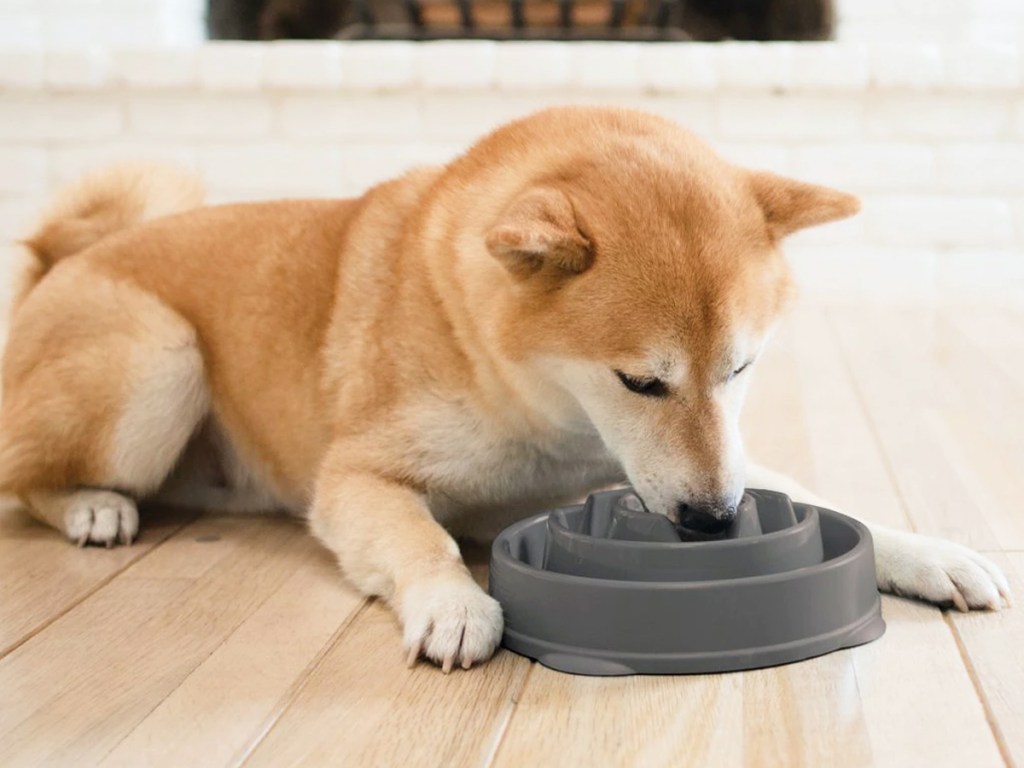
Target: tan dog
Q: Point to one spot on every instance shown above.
(575, 301)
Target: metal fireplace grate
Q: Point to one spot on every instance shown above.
(638, 20)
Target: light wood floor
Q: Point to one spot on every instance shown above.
(220, 640)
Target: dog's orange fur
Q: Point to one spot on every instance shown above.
(384, 363)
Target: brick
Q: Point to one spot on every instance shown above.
(459, 118)
(303, 64)
(533, 65)
(69, 29)
(861, 273)
(21, 29)
(862, 167)
(755, 65)
(231, 66)
(675, 67)
(60, 116)
(834, 66)
(790, 117)
(351, 117)
(760, 156)
(71, 161)
(983, 66)
(982, 168)
(696, 112)
(917, 116)
(1017, 208)
(18, 216)
(21, 68)
(275, 168)
(378, 65)
(906, 65)
(606, 66)
(156, 68)
(366, 165)
(200, 116)
(938, 221)
(986, 275)
(457, 64)
(85, 68)
(22, 169)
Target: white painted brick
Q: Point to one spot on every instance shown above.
(379, 65)
(606, 66)
(860, 167)
(335, 117)
(69, 161)
(231, 66)
(457, 64)
(20, 29)
(21, 68)
(851, 232)
(366, 165)
(790, 117)
(834, 66)
(85, 68)
(456, 118)
(1017, 209)
(22, 169)
(858, 273)
(277, 168)
(983, 66)
(72, 29)
(755, 65)
(200, 116)
(18, 215)
(673, 67)
(982, 168)
(60, 116)
(695, 112)
(303, 64)
(987, 275)
(533, 65)
(917, 116)
(156, 67)
(767, 157)
(938, 221)
(906, 64)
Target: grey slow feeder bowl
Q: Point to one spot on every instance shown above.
(606, 588)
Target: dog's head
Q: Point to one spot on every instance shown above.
(646, 277)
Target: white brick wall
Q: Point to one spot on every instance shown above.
(937, 153)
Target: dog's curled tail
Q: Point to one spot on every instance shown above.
(100, 204)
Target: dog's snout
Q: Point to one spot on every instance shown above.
(708, 518)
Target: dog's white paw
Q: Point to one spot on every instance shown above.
(101, 517)
(449, 620)
(938, 571)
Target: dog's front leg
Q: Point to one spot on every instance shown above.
(390, 546)
(911, 564)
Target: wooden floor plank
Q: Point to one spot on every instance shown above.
(900, 364)
(919, 703)
(44, 575)
(994, 644)
(74, 691)
(223, 707)
(362, 706)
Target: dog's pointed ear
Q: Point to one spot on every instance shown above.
(539, 232)
(790, 205)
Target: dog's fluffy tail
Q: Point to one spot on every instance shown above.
(100, 204)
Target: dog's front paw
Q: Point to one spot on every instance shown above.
(101, 517)
(938, 571)
(449, 620)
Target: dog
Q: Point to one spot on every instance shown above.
(577, 301)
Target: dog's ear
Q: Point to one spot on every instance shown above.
(790, 205)
(539, 232)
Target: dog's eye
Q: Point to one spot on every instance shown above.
(741, 369)
(650, 387)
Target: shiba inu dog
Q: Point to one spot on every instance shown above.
(576, 301)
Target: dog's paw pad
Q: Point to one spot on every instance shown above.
(451, 622)
(947, 574)
(101, 517)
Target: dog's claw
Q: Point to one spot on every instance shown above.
(414, 654)
(959, 602)
(82, 540)
(466, 662)
(446, 666)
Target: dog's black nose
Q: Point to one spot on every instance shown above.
(706, 518)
